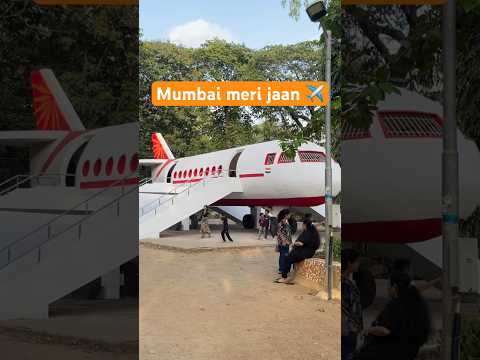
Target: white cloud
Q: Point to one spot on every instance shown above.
(195, 33)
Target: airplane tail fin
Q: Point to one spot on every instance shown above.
(160, 147)
(53, 110)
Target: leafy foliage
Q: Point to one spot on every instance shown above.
(196, 130)
(92, 50)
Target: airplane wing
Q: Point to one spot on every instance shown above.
(151, 162)
(29, 137)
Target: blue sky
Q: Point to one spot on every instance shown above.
(256, 23)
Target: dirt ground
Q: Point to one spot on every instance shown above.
(223, 305)
(25, 345)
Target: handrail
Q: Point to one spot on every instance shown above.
(145, 181)
(71, 226)
(66, 212)
(187, 189)
(26, 179)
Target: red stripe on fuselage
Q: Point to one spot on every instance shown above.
(186, 181)
(251, 175)
(304, 202)
(163, 167)
(67, 139)
(401, 231)
(107, 183)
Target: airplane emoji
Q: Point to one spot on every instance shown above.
(316, 92)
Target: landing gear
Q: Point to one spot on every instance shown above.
(248, 221)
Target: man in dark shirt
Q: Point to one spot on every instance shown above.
(225, 229)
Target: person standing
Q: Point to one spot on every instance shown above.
(267, 223)
(284, 240)
(352, 316)
(204, 227)
(261, 225)
(225, 229)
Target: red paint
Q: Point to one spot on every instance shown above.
(214, 169)
(304, 156)
(97, 168)
(195, 172)
(47, 112)
(109, 166)
(306, 202)
(401, 231)
(388, 135)
(134, 162)
(207, 171)
(283, 159)
(67, 139)
(350, 133)
(187, 181)
(158, 150)
(161, 169)
(201, 172)
(86, 168)
(190, 173)
(269, 159)
(121, 164)
(251, 175)
(107, 183)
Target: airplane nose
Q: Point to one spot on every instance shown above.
(336, 178)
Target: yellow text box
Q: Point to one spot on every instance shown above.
(240, 93)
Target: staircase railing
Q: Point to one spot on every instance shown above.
(6, 251)
(171, 199)
(18, 181)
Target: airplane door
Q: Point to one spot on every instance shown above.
(169, 175)
(232, 169)
(72, 165)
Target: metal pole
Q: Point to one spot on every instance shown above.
(449, 173)
(328, 164)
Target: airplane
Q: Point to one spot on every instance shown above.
(61, 219)
(315, 92)
(395, 167)
(392, 180)
(266, 176)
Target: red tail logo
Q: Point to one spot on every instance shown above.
(47, 111)
(160, 147)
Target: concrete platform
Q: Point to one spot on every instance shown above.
(191, 240)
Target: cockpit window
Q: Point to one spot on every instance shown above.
(311, 156)
(397, 124)
(270, 158)
(351, 133)
(284, 158)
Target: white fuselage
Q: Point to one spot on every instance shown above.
(392, 176)
(267, 180)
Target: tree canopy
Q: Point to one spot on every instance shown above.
(193, 130)
(93, 51)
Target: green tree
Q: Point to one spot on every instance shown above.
(92, 50)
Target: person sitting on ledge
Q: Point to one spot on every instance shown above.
(303, 248)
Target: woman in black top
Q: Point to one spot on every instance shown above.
(401, 328)
(225, 229)
(304, 248)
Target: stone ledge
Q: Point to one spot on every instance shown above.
(312, 274)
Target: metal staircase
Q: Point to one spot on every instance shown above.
(68, 251)
(177, 204)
